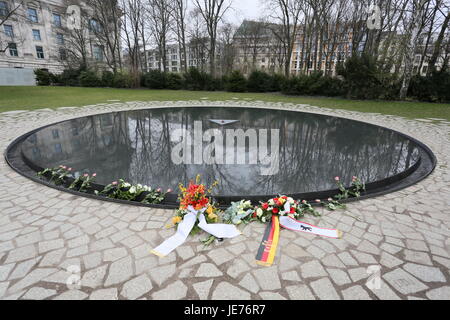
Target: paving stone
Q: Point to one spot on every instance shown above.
(30, 279)
(425, 273)
(268, 278)
(114, 254)
(384, 292)
(403, 282)
(5, 271)
(92, 260)
(324, 290)
(220, 256)
(442, 293)
(290, 276)
(208, 270)
(203, 288)
(174, 291)
(249, 283)
(72, 295)
(312, 269)
(300, 292)
(226, 291)
(417, 257)
(22, 269)
(338, 276)
(355, 293)
(20, 254)
(94, 278)
(137, 287)
(104, 294)
(162, 274)
(38, 293)
(119, 271)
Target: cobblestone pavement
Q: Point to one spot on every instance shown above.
(46, 235)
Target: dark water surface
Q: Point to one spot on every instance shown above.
(137, 147)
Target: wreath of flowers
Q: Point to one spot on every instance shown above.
(284, 206)
(197, 196)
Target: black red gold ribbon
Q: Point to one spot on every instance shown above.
(268, 249)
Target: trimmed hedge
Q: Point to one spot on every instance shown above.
(360, 77)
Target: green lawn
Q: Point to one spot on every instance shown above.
(28, 98)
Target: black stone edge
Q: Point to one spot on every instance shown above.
(420, 171)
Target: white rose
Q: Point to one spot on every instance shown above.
(133, 190)
(259, 212)
(263, 219)
(271, 202)
(139, 186)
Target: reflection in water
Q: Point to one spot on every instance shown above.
(136, 146)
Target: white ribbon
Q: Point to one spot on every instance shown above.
(221, 231)
(292, 224)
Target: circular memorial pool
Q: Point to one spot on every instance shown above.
(253, 153)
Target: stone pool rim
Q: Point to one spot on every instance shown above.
(385, 186)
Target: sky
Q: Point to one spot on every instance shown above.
(249, 9)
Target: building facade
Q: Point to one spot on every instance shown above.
(39, 34)
(197, 57)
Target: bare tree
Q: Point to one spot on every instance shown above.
(132, 23)
(105, 25)
(179, 13)
(76, 45)
(227, 47)
(11, 13)
(287, 13)
(414, 25)
(198, 40)
(160, 14)
(439, 44)
(212, 12)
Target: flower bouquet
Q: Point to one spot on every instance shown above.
(196, 197)
(284, 206)
(240, 212)
(197, 212)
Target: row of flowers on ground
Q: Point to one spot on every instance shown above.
(198, 196)
(120, 189)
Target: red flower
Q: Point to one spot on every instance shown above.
(292, 210)
(265, 206)
(255, 215)
(275, 210)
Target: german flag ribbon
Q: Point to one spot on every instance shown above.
(268, 248)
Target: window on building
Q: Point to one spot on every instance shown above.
(4, 10)
(174, 63)
(32, 15)
(8, 30)
(13, 52)
(60, 38)
(175, 69)
(58, 148)
(55, 133)
(37, 35)
(95, 26)
(40, 52)
(57, 20)
(62, 54)
(97, 52)
(174, 57)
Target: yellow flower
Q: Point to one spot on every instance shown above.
(210, 210)
(213, 217)
(176, 220)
